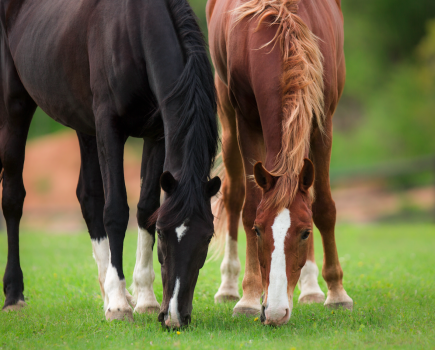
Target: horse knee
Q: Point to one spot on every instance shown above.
(248, 218)
(233, 195)
(144, 212)
(324, 214)
(116, 217)
(13, 199)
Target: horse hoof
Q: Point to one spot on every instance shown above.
(223, 298)
(312, 298)
(119, 314)
(16, 307)
(348, 305)
(339, 299)
(247, 311)
(147, 309)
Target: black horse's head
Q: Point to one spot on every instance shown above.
(183, 241)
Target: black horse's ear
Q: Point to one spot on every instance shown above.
(212, 187)
(168, 183)
(306, 176)
(263, 178)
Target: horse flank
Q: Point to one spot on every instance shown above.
(197, 131)
(302, 90)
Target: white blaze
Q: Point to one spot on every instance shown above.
(143, 275)
(174, 315)
(277, 298)
(181, 231)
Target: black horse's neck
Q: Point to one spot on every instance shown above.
(193, 131)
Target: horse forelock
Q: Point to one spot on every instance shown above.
(197, 134)
(302, 90)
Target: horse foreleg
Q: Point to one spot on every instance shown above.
(308, 283)
(233, 190)
(110, 145)
(324, 214)
(90, 193)
(143, 276)
(252, 147)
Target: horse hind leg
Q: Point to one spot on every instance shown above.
(143, 275)
(17, 112)
(308, 282)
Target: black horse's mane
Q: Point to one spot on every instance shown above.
(197, 133)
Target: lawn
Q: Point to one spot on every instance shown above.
(389, 273)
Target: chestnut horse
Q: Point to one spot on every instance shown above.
(280, 71)
(111, 69)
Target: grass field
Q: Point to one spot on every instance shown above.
(389, 273)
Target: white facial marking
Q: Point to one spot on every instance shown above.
(181, 231)
(230, 269)
(277, 298)
(308, 283)
(143, 275)
(115, 291)
(100, 252)
(174, 315)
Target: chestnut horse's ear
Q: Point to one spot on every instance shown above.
(262, 177)
(212, 187)
(306, 176)
(168, 183)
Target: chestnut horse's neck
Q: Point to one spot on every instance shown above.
(301, 88)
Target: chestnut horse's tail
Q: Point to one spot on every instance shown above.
(2, 170)
(302, 89)
(219, 213)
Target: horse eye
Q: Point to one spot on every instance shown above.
(305, 234)
(159, 233)
(257, 231)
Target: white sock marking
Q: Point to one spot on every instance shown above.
(308, 283)
(100, 252)
(277, 298)
(181, 231)
(143, 275)
(115, 290)
(174, 315)
(230, 269)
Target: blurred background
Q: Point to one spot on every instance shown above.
(383, 159)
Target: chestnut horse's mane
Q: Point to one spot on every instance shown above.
(302, 89)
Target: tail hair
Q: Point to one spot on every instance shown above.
(220, 215)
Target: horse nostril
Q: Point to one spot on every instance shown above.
(263, 315)
(161, 317)
(187, 319)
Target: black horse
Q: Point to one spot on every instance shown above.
(111, 69)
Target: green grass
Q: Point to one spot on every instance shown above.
(389, 273)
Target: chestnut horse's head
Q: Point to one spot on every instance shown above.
(282, 243)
